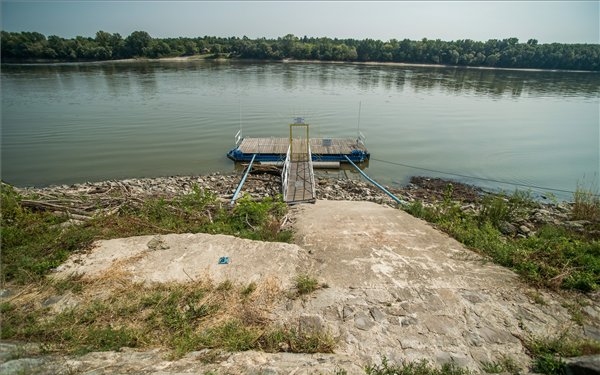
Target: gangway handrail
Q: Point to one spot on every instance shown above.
(398, 200)
(237, 191)
(285, 172)
(361, 138)
(238, 137)
(312, 173)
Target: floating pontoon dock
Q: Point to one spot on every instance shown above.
(297, 156)
(323, 150)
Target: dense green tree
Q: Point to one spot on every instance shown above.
(509, 53)
(137, 44)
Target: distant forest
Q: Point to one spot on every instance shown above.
(505, 53)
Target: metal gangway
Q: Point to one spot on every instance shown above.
(297, 176)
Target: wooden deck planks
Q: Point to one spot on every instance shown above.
(280, 146)
(299, 187)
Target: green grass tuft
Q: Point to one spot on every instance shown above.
(306, 284)
(296, 341)
(549, 353)
(503, 365)
(414, 368)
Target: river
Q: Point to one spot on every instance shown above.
(69, 123)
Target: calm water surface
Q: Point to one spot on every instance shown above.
(71, 123)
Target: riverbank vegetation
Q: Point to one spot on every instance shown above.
(78, 315)
(35, 239)
(501, 53)
(558, 249)
(114, 312)
(551, 255)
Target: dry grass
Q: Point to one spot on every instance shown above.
(109, 311)
(586, 205)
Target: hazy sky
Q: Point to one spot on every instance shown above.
(546, 21)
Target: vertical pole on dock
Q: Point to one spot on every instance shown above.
(241, 130)
(358, 126)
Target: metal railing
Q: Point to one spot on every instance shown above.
(238, 137)
(285, 172)
(361, 139)
(312, 174)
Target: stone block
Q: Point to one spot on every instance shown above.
(363, 321)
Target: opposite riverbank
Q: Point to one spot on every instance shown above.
(209, 57)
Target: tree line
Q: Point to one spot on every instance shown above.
(504, 53)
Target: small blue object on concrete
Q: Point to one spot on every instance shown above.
(224, 260)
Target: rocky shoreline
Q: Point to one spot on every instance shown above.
(90, 198)
(417, 292)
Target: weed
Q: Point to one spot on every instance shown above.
(211, 356)
(510, 365)
(183, 317)
(492, 367)
(232, 336)
(414, 368)
(107, 338)
(33, 242)
(548, 353)
(576, 311)
(249, 289)
(291, 339)
(505, 364)
(499, 208)
(563, 346)
(536, 297)
(225, 286)
(550, 364)
(306, 284)
(586, 205)
(71, 283)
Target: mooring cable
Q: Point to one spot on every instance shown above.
(476, 178)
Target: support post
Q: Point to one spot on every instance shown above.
(237, 191)
(396, 199)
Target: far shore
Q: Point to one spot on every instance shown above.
(209, 57)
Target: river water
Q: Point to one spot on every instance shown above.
(68, 123)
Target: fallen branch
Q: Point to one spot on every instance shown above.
(45, 206)
(191, 278)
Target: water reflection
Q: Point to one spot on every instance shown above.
(458, 81)
(180, 115)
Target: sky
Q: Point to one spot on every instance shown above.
(546, 21)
